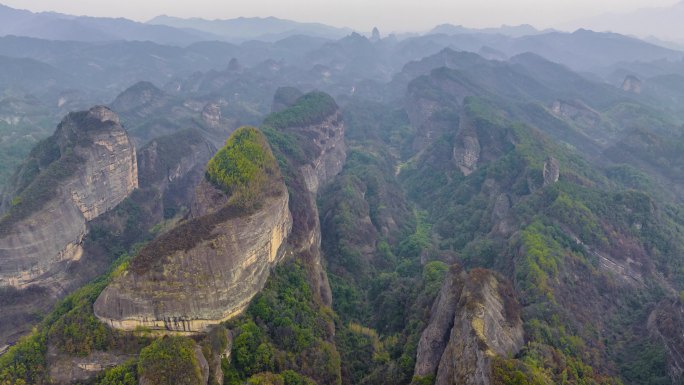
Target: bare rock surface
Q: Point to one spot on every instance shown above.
(551, 171)
(474, 319)
(210, 282)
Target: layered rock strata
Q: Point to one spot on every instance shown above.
(44, 230)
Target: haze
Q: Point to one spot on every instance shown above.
(362, 15)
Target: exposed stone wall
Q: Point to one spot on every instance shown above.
(42, 245)
(475, 318)
(210, 283)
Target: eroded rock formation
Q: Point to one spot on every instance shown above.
(199, 285)
(190, 285)
(474, 319)
(551, 171)
(94, 170)
(632, 84)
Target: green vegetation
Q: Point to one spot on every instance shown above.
(312, 108)
(170, 360)
(245, 167)
(70, 327)
(285, 331)
(120, 375)
(41, 175)
(25, 363)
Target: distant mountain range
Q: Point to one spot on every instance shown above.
(162, 29)
(57, 26)
(508, 30)
(252, 28)
(664, 23)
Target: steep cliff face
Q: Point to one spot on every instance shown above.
(474, 319)
(320, 137)
(328, 139)
(93, 169)
(207, 269)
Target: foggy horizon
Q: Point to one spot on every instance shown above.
(401, 17)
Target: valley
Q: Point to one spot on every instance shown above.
(258, 201)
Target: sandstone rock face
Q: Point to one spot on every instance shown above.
(474, 319)
(551, 171)
(666, 323)
(435, 337)
(208, 283)
(631, 84)
(328, 137)
(38, 248)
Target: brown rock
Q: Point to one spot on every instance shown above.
(37, 249)
(486, 322)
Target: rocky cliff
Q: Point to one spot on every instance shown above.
(320, 138)
(70, 179)
(208, 268)
(93, 168)
(474, 319)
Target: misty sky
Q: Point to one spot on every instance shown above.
(362, 15)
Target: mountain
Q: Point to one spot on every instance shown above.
(81, 172)
(468, 208)
(660, 22)
(582, 50)
(507, 30)
(252, 28)
(56, 26)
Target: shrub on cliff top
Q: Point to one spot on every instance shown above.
(244, 167)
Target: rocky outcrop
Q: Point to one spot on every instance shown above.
(666, 323)
(327, 138)
(551, 171)
(474, 319)
(208, 267)
(326, 141)
(94, 170)
(467, 154)
(211, 115)
(435, 337)
(195, 286)
(576, 111)
(631, 84)
(66, 369)
(140, 100)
